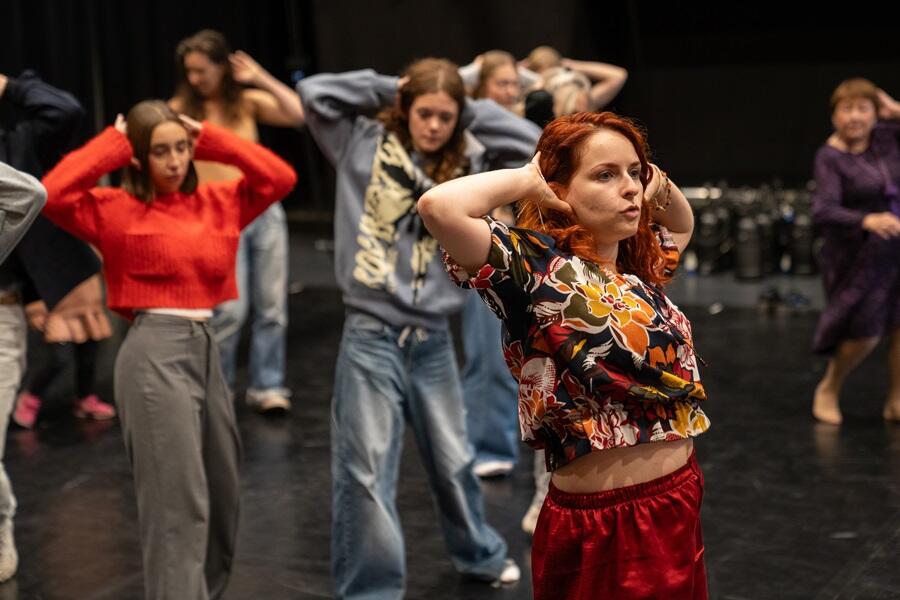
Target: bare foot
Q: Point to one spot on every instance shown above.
(825, 406)
(891, 411)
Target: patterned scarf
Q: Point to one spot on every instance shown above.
(390, 209)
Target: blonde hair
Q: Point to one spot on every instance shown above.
(565, 86)
(542, 58)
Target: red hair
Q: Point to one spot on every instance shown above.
(561, 147)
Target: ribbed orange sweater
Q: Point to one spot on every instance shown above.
(179, 250)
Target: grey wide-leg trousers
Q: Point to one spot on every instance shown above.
(180, 434)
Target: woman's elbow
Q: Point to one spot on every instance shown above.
(40, 198)
(285, 182)
(819, 212)
(29, 195)
(291, 179)
(299, 116)
(433, 207)
(427, 208)
(73, 114)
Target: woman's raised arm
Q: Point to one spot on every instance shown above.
(453, 211)
(21, 199)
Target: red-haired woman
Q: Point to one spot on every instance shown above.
(608, 380)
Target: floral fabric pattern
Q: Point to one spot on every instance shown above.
(603, 360)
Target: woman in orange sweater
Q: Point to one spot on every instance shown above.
(169, 246)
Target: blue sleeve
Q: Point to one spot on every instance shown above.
(509, 140)
(332, 102)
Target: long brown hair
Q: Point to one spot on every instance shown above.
(427, 76)
(142, 119)
(214, 45)
(562, 146)
(490, 62)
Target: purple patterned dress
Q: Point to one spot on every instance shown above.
(861, 271)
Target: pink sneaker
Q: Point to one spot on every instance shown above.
(27, 408)
(91, 407)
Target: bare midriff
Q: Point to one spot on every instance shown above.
(620, 467)
(244, 127)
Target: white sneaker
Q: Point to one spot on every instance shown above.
(268, 401)
(493, 468)
(511, 572)
(9, 558)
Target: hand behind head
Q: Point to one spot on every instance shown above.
(121, 125)
(194, 127)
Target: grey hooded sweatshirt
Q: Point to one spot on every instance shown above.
(386, 263)
(21, 199)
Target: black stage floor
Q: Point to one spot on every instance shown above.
(792, 510)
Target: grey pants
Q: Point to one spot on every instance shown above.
(13, 337)
(179, 427)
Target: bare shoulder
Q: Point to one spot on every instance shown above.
(255, 98)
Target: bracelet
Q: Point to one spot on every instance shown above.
(666, 184)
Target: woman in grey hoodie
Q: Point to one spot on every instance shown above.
(396, 362)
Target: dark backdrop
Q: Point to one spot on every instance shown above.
(726, 91)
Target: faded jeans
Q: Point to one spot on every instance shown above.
(262, 280)
(386, 377)
(490, 392)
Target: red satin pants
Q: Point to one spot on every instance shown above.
(640, 541)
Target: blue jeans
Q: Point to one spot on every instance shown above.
(262, 279)
(387, 376)
(489, 390)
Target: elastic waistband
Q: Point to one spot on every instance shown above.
(170, 322)
(629, 493)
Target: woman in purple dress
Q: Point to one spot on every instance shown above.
(857, 206)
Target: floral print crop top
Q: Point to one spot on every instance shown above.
(603, 360)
